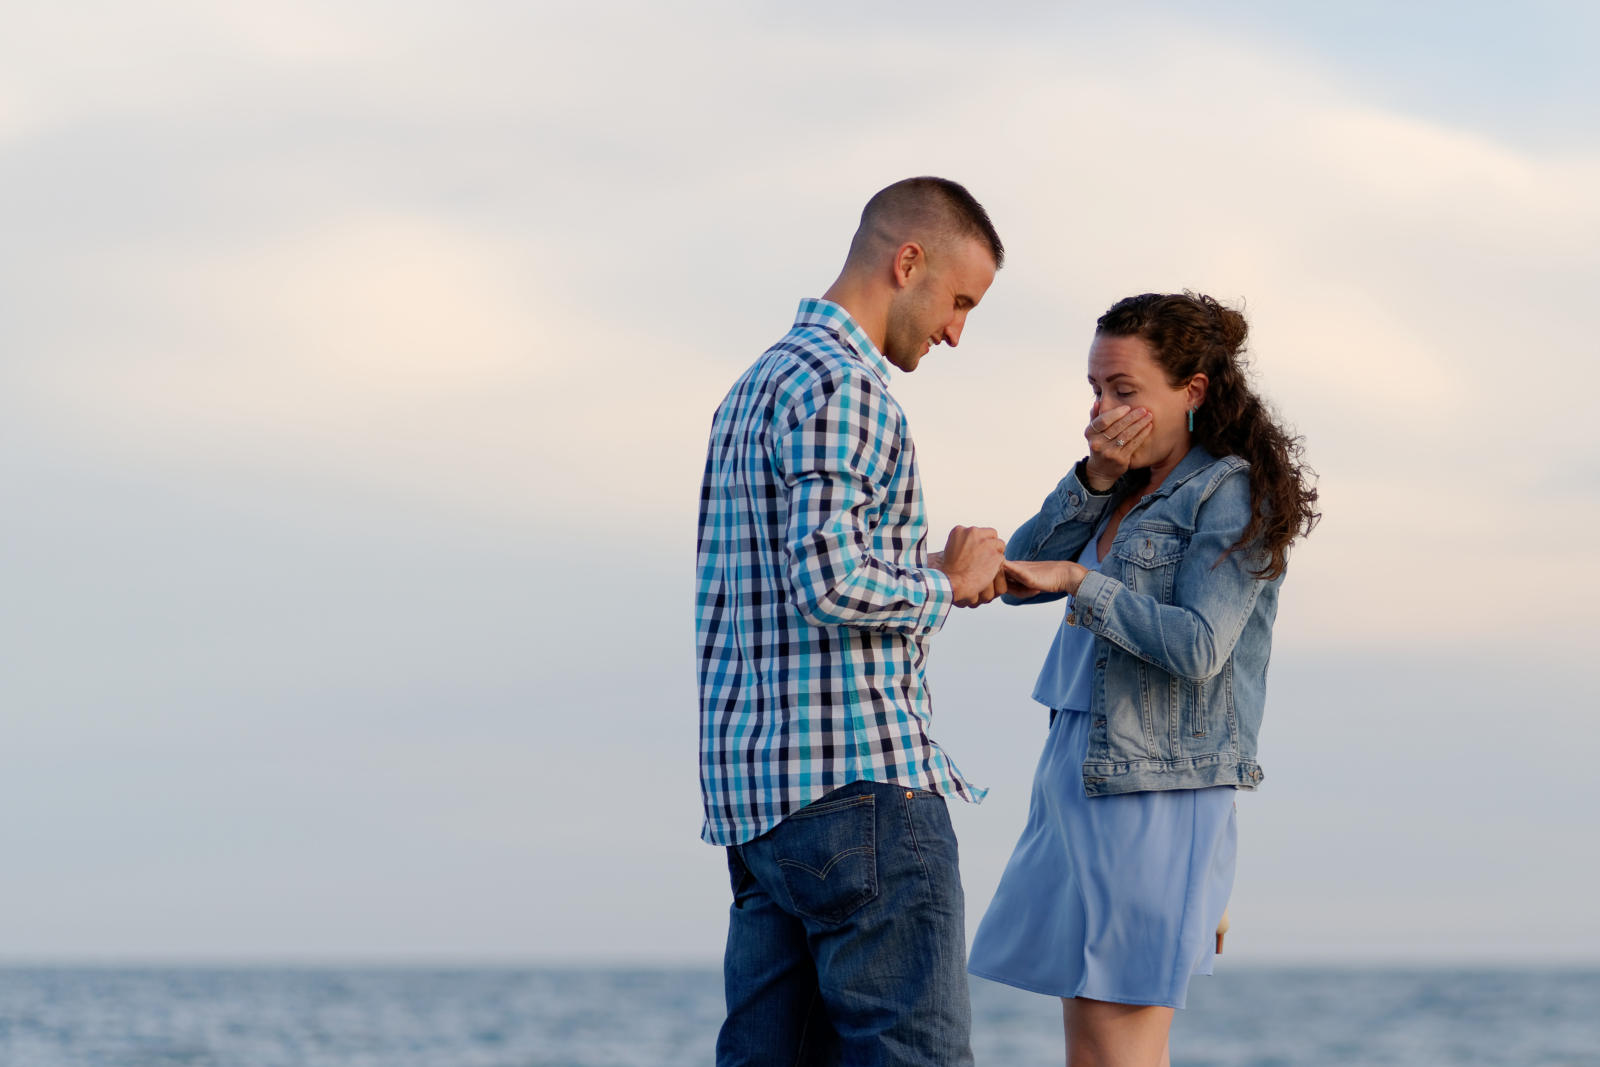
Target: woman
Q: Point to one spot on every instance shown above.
(1172, 538)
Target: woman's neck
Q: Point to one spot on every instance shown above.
(1160, 470)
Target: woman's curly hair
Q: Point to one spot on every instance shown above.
(1190, 333)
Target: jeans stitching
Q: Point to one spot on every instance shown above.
(942, 962)
(911, 833)
(824, 808)
(870, 892)
(830, 865)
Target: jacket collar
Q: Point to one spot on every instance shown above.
(1194, 461)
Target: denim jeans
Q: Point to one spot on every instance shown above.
(846, 938)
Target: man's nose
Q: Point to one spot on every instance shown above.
(952, 331)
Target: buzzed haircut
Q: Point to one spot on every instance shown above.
(933, 210)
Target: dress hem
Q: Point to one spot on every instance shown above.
(1176, 1003)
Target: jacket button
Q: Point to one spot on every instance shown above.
(1149, 549)
(1072, 498)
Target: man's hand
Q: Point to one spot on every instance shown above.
(972, 559)
(1028, 578)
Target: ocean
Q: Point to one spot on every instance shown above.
(618, 1017)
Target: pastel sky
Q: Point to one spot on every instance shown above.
(356, 362)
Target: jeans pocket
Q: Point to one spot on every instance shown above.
(827, 853)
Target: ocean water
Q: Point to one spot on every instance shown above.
(328, 1017)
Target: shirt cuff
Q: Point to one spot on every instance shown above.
(940, 599)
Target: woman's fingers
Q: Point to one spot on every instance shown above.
(1122, 430)
(1106, 422)
(1107, 417)
(1113, 437)
(1115, 429)
(1033, 575)
(1045, 576)
(1016, 584)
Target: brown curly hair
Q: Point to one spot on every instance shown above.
(1190, 333)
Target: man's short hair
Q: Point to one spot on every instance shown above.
(929, 210)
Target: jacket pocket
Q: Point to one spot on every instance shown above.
(1194, 700)
(1209, 726)
(1149, 561)
(827, 853)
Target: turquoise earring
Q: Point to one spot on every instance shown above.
(1191, 420)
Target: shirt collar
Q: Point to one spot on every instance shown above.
(815, 311)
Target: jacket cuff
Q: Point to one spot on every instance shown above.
(1092, 602)
(1074, 500)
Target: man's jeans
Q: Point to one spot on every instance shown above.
(846, 939)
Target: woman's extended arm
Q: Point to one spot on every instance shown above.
(1063, 525)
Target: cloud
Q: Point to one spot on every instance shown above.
(410, 341)
(360, 359)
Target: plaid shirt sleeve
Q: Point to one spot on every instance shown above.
(836, 458)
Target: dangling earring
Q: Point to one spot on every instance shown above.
(1191, 420)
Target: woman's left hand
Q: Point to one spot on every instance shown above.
(1027, 578)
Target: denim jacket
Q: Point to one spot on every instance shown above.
(1181, 639)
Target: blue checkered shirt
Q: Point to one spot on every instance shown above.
(814, 600)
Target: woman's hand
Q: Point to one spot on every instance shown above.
(1114, 436)
(1027, 578)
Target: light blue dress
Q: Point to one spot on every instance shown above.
(1111, 898)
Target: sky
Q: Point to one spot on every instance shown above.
(356, 364)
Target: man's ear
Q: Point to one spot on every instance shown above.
(908, 259)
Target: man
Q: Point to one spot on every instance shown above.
(815, 598)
